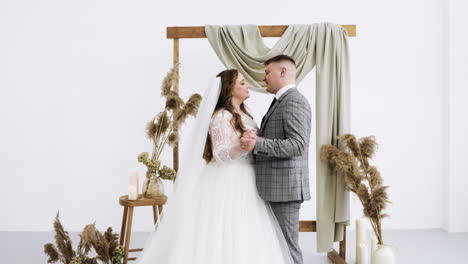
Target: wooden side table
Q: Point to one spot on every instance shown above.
(125, 233)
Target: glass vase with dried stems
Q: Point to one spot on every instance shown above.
(163, 128)
(360, 177)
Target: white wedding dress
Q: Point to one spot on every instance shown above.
(225, 221)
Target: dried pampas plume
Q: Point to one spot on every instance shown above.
(101, 246)
(173, 138)
(368, 146)
(158, 125)
(112, 238)
(350, 141)
(173, 101)
(104, 245)
(63, 241)
(86, 239)
(375, 178)
(52, 253)
(163, 129)
(190, 108)
(193, 104)
(151, 128)
(167, 82)
(353, 165)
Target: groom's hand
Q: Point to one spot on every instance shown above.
(248, 140)
(249, 133)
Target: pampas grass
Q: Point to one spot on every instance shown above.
(63, 250)
(172, 117)
(52, 253)
(167, 82)
(360, 178)
(173, 138)
(112, 238)
(104, 245)
(163, 128)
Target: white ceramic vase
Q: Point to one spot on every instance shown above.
(383, 255)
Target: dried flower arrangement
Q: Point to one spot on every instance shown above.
(163, 128)
(360, 177)
(106, 246)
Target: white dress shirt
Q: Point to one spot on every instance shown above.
(283, 90)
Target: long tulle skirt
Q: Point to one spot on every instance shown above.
(225, 222)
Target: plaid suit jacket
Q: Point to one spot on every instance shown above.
(282, 150)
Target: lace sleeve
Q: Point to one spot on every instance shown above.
(224, 138)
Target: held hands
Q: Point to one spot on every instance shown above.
(248, 140)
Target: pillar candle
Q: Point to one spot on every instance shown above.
(132, 192)
(360, 230)
(360, 235)
(374, 242)
(362, 249)
(134, 179)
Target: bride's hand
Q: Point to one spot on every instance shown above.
(248, 139)
(249, 133)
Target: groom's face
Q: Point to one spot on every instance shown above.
(272, 77)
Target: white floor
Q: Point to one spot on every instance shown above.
(415, 246)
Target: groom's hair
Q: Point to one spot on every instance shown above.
(280, 58)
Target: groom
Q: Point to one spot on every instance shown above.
(281, 149)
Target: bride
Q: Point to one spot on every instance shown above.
(215, 214)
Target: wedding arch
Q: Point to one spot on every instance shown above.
(321, 45)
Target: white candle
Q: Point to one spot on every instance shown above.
(360, 235)
(134, 179)
(362, 249)
(132, 192)
(360, 230)
(373, 244)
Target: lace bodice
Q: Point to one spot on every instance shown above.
(225, 138)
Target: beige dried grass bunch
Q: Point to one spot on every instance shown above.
(360, 177)
(163, 128)
(106, 246)
(62, 251)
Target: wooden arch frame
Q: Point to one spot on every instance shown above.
(177, 33)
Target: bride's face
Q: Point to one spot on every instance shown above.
(240, 90)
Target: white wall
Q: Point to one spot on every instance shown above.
(455, 194)
(79, 80)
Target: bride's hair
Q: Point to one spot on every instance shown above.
(228, 81)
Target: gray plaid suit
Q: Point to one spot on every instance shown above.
(281, 162)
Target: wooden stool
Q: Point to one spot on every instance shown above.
(128, 205)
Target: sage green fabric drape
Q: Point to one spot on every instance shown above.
(325, 46)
